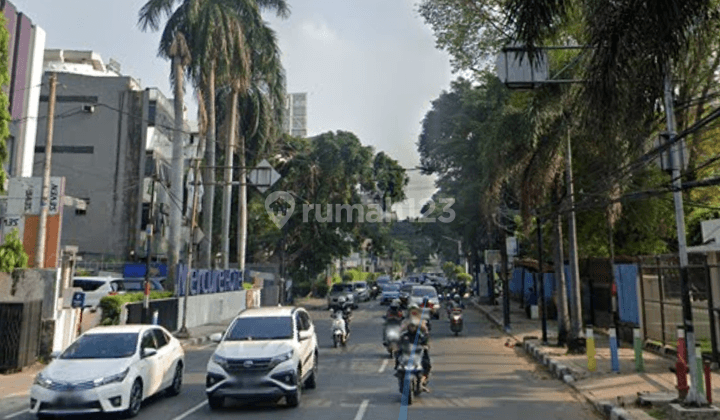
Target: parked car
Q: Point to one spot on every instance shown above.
(390, 292)
(96, 288)
(361, 291)
(419, 293)
(265, 354)
(136, 284)
(109, 370)
(341, 289)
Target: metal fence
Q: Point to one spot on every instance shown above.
(660, 297)
(20, 326)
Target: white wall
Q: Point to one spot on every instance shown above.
(213, 308)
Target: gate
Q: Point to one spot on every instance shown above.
(661, 300)
(19, 334)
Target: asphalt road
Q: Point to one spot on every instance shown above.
(474, 376)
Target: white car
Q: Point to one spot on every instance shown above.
(265, 354)
(109, 369)
(96, 288)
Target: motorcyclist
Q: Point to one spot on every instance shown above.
(394, 312)
(456, 302)
(346, 312)
(415, 331)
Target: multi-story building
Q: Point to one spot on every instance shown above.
(295, 121)
(25, 66)
(111, 138)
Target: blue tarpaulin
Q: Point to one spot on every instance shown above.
(626, 275)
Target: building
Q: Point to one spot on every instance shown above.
(25, 65)
(111, 139)
(295, 120)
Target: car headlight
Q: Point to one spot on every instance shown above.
(42, 381)
(219, 360)
(281, 358)
(111, 379)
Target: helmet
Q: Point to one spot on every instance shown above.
(342, 299)
(395, 303)
(413, 306)
(414, 323)
(456, 298)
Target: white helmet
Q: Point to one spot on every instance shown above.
(342, 299)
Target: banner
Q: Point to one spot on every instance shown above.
(204, 282)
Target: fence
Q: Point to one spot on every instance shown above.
(662, 304)
(167, 312)
(19, 334)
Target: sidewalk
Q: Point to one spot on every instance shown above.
(606, 390)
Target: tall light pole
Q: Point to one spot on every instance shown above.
(44, 201)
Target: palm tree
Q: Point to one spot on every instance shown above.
(216, 29)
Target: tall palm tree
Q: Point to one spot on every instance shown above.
(214, 27)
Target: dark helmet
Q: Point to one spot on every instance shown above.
(456, 298)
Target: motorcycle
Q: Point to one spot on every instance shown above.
(374, 292)
(456, 320)
(391, 334)
(409, 372)
(339, 332)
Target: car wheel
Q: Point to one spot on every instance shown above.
(293, 400)
(177, 381)
(311, 382)
(216, 403)
(135, 401)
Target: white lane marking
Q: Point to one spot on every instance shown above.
(361, 410)
(383, 366)
(190, 411)
(9, 416)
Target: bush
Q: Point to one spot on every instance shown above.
(321, 289)
(112, 305)
(12, 253)
(464, 277)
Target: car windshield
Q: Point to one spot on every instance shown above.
(424, 291)
(102, 346)
(261, 328)
(342, 288)
(360, 285)
(391, 288)
(88, 285)
(132, 285)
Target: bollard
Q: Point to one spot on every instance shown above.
(155, 317)
(639, 364)
(699, 383)
(681, 368)
(614, 361)
(590, 346)
(708, 384)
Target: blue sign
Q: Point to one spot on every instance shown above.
(78, 300)
(203, 282)
(138, 270)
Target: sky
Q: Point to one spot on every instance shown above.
(369, 67)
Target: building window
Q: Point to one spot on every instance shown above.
(83, 211)
(152, 109)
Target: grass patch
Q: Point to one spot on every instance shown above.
(657, 413)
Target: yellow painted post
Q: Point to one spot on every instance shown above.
(590, 346)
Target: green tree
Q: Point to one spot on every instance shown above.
(12, 253)
(4, 102)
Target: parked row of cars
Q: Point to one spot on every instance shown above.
(267, 353)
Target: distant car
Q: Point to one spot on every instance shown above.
(341, 290)
(265, 354)
(419, 293)
(361, 291)
(96, 288)
(390, 292)
(109, 370)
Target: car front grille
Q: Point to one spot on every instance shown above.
(240, 366)
(58, 405)
(67, 386)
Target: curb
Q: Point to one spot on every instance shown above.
(565, 374)
(195, 341)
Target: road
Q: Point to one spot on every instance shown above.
(474, 376)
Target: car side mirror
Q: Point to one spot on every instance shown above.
(55, 354)
(304, 335)
(148, 352)
(216, 338)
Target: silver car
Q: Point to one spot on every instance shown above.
(361, 291)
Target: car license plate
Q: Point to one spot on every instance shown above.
(68, 400)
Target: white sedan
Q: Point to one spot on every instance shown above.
(109, 369)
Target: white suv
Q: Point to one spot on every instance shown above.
(265, 354)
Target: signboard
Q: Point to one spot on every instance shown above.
(78, 300)
(24, 196)
(492, 257)
(511, 245)
(203, 282)
(263, 176)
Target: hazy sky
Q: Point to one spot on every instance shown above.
(369, 67)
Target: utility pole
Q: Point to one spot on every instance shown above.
(504, 279)
(541, 283)
(576, 307)
(193, 220)
(693, 395)
(150, 234)
(44, 201)
(614, 290)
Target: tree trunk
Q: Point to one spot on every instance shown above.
(176, 182)
(561, 290)
(242, 205)
(227, 187)
(205, 260)
(576, 304)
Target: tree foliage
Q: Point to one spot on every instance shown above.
(12, 253)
